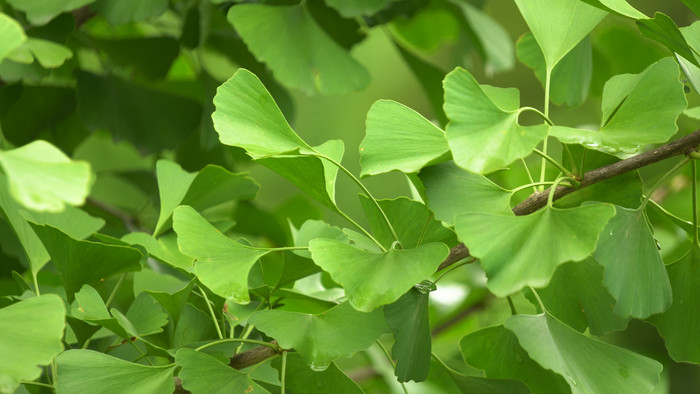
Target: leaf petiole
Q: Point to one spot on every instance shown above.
(554, 162)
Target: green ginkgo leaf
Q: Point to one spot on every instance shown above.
(452, 190)
(164, 249)
(12, 35)
(118, 12)
(529, 248)
(496, 44)
(352, 9)
(202, 373)
(679, 323)
(372, 279)
(247, 116)
(87, 371)
(85, 262)
(211, 186)
(222, 263)
(43, 178)
(409, 321)
(577, 297)
(47, 53)
(483, 133)
(663, 30)
(620, 7)
(558, 25)
(299, 52)
(302, 379)
(323, 337)
(496, 351)
(399, 138)
(638, 109)
(588, 365)
(634, 271)
(30, 335)
(40, 12)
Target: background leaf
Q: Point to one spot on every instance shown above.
(202, 373)
(409, 321)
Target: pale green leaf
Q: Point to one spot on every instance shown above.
(222, 263)
(30, 336)
(372, 279)
(43, 178)
(40, 12)
(12, 35)
(399, 138)
(620, 7)
(47, 53)
(87, 371)
(588, 365)
(297, 49)
(530, 247)
(323, 337)
(482, 134)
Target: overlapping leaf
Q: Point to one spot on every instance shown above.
(409, 321)
(47, 53)
(302, 379)
(352, 9)
(41, 12)
(638, 109)
(483, 133)
(12, 34)
(297, 49)
(81, 371)
(222, 263)
(30, 336)
(372, 279)
(122, 11)
(399, 138)
(323, 337)
(588, 365)
(511, 247)
(495, 41)
(164, 249)
(43, 178)
(634, 272)
(202, 373)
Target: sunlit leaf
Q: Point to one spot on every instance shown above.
(12, 35)
(409, 321)
(302, 379)
(298, 51)
(588, 365)
(452, 190)
(618, 6)
(82, 371)
(164, 249)
(519, 257)
(47, 53)
(399, 138)
(202, 373)
(482, 134)
(40, 12)
(634, 272)
(638, 109)
(43, 178)
(678, 324)
(558, 25)
(372, 279)
(691, 70)
(222, 263)
(30, 336)
(323, 337)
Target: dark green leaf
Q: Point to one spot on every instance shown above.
(409, 321)
(202, 373)
(301, 379)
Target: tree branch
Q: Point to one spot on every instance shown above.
(538, 200)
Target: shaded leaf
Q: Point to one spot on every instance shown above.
(164, 249)
(634, 272)
(222, 263)
(494, 38)
(589, 365)
(518, 259)
(82, 371)
(30, 335)
(474, 384)
(482, 134)
(175, 302)
(118, 12)
(409, 321)
(298, 51)
(40, 12)
(352, 9)
(302, 379)
(323, 337)
(202, 373)
(372, 279)
(620, 7)
(150, 56)
(663, 30)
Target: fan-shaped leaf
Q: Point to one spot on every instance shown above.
(409, 321)
(40, 12)
(302, 379)
(202, 373)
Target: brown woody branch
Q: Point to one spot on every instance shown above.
(538, 200)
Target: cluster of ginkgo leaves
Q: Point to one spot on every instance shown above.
(211, 279)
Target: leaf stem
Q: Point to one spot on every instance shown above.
(362, 229)
(393, 364)
(533, 184)
(226, 340)
(447, 367)
(425, 229)
(211, 311)
(554, 162)
(513, 311)
(529, 176)
(364, 189)
(547, 79)
(114, 291)
(283, 371)
(40, 384)
(36, 284)
(143, 355)
(553, 189)
(539, 300)
(695, 204)
(535, 110)
(455, 266)
(661, 180)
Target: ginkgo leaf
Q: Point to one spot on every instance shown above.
(302, 379)
(47, 53)
(519, 251)
(222, 263)
(41, 12)
(558, 25)
(122, 11)
(352, 9)
(372, 279)
(399, 138)
(81, 371)
(483, 134)
(323, 337)
(634, 271)
(43, 178)
(299, 52)
(202, 373)
(409, 321)
(247, 116)
(30, 335)
(638, 109)
(663, 30)
(452, 190)
(618, 6)
(679, 323)
(12, 35)
(587, 364)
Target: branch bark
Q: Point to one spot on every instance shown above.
(538, 200)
